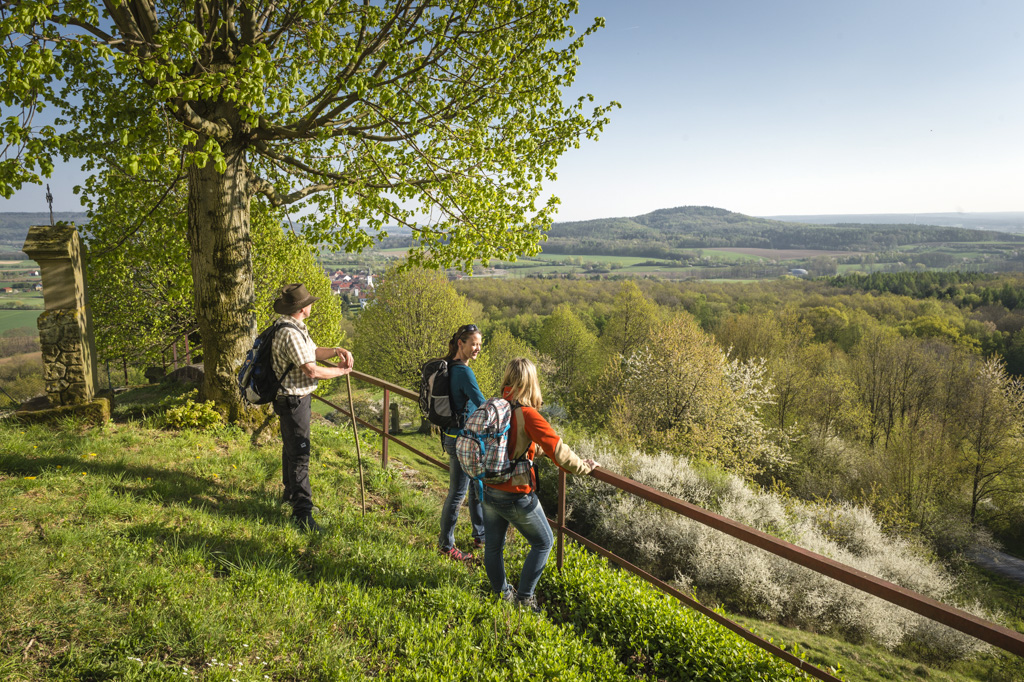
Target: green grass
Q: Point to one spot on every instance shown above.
(130, 552)
(15, 319)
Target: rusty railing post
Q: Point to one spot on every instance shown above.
(386, 418)
(561, 517)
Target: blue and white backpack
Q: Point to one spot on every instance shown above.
(482, 448)
(257, 381)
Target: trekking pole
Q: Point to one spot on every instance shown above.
(355, 434)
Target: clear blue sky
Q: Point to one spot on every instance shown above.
(772, 107)
(802, 107)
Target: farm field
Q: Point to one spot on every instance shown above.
(557, 263)
(780, 254)
(15, 319)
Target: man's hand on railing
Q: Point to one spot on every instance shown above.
(591, 463)
(345, 359)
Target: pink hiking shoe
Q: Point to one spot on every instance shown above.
(456, 555)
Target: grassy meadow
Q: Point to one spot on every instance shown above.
(16, 319)
(133, 552)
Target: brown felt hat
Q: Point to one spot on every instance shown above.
(292, 299)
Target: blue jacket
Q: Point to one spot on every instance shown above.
(465, 393)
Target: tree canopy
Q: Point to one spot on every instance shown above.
(376, 113)
(409, 319)
(443, 116)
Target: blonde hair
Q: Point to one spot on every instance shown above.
(521, 379)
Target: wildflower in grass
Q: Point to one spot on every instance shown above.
(29, 478)
(58, 466)
(92, 454)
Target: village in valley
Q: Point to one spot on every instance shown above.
(16, 278)
(354, 286)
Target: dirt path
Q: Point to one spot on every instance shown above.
(999, 562)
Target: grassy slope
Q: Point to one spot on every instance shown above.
(128, 552)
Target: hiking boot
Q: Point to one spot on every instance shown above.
(287, 501)
(478, 543)
(456, 555)
(509, 595)
(307, 524)
(529, 603)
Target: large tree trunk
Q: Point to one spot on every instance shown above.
(221, 249)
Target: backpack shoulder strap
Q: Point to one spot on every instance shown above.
(513, 406)
(275, 328)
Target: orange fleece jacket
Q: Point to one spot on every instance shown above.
(528, 430)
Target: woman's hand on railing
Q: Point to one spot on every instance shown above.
(591, 463)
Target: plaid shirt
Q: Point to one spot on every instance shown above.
(295, 348)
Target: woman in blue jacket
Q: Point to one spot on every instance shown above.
(466, 397)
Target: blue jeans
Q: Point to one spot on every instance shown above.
(458, 483)
(527, 515)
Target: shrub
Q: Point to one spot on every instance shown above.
(751, 580)
(679, 393)
(184, 412)
(654, 633)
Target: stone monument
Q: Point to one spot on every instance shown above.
(65, 330)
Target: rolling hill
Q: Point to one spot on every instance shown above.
(662, 232)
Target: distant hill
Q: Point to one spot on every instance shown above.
(1003, 222)
(674, 233)
(667, 232)
(14, 226)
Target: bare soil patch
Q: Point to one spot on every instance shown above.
(786, 254)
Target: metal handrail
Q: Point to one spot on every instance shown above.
(991, 633)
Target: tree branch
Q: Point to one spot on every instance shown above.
(144, 12)
(268, 190)
(124, 20)
(187, 115)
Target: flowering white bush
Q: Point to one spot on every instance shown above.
(752, 580)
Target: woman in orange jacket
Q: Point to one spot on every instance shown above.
(515, 501)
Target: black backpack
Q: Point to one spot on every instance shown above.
(256, 379)
(435, 394)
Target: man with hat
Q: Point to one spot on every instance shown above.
(294, 358)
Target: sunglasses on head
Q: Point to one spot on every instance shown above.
(466, 329)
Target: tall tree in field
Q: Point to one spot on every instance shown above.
(410, 318)
(633, 320)
(441, 115)
(990, 433)
(573, 348)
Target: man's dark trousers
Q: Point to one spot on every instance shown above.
(294, 413)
